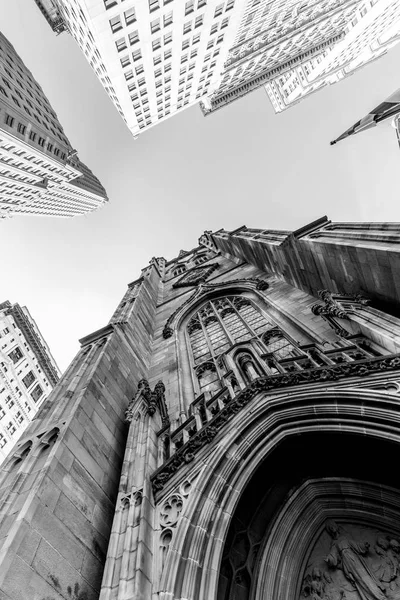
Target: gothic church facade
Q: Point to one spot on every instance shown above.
(233, 433)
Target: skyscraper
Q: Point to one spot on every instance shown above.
(232, 433)
(40, 172)
(28, 373)
(158, 57)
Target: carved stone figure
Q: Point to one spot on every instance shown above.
(388, 567)
(348, 555)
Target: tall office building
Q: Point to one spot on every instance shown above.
(233, 432)
(158, 57)
(28, 373)
(40, 172)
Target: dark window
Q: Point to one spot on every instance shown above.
(36, 393)
(28, 379)
(16, 354)
(9, 120)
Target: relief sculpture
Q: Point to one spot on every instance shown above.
(353, 563)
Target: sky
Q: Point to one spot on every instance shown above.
(243, 165)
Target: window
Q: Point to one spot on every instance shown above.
(11, 428)
(167, 38)
(156, 44)
(125, 61)
(115, 24)
(109, 3)
(139, 69)
(224, 22)
(121, 44)
(49, 147)
(133, 37)
(9, 120)
(196, 38)
(155, 25)
(41, 141)
(137, 55)
(36, 393)
(219, 10)
(3, 441)
(215, 328)
(21, 128)
(16, 354)
(189, 7)
(154, 5)
(32, 136)
(168, 19)
(199, 21)
(130, 16)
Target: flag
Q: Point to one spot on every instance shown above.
(387, 109)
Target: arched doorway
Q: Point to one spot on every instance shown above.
(280, 544)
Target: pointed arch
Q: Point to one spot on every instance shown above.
(252, 436)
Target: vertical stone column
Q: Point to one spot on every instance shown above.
(128, 574)
(59, 486)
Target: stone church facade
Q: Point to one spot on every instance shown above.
(233, 433)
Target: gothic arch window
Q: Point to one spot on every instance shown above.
(217, 325)
(278, 345)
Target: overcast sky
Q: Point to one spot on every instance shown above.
(244, 165)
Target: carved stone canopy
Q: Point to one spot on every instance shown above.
(154, 401)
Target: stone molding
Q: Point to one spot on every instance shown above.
(203, 290)
(187, 452)
(227, 471)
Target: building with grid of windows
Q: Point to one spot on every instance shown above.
(28, 373)
(40, 172)
(158, 57)
(212, 440)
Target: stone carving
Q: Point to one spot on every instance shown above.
(336, 306)
(353, 563)
(154, 400)
(204, 288)
(186, 452)
(196, 275)
(171, 510)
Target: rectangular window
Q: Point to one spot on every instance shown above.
(21, 128)
(185, 44)
(167, 54)
(109, 3)
(36, 393)
(187, 27)
(11, 428)
(214, 29)
(130, 16)
(155, 25)
(201, 3)
(128, 75)
(49, 147)
(230, 4)
(139, 69)
(121, 44)
(41, 141)
(157, 60)
(125, 61)
(137, 55)
(156, 44)
(219, 10)
(154, 5)
(199, 21)
(3, 441)
(16, 354)
(189, 7)
(224, 22)
(9, 120)
(115, 24)
(168, 19)
(196, 38)
(167, 38)
(32, 136)
(133, 37)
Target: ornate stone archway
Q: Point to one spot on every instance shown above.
(194, 559)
